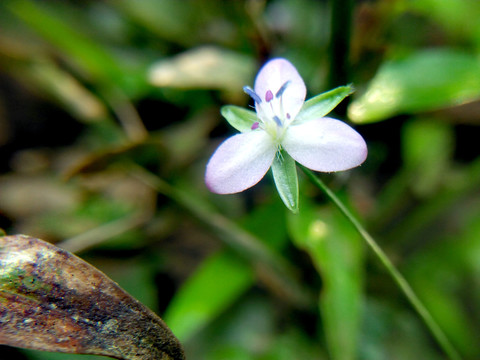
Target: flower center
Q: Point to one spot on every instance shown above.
(271, 112)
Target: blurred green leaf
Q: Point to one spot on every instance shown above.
(427, 151)
(212, 288)
(223, 277)
(337, 253)
(268, 222)
(81, 51)
(458, 17)
(169, 19)
(286, 180)
(425, 80)
(254, 330)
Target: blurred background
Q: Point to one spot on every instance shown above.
(109, 111)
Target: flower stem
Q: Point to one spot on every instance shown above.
(402, 283)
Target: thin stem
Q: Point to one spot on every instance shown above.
(396, 275)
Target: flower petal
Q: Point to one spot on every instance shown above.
(325, 144)
(273, 75)
(240, 162)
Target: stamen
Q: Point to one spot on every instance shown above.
(268, 96)
(255, 125)
(277, 120)
(282, 89)
(248, 90)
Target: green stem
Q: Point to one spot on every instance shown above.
(397, 276)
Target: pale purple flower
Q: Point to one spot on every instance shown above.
(321, 144)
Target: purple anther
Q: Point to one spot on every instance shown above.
(282, 89)
(248, 90)
(255, 125)
(268, 96)
(288, 116)
(277, 120)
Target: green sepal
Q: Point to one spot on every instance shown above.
(286, 179)
(240, 118)
(320, 105)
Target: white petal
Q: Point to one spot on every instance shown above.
(240, 162)
(325, 145)
(273, 75)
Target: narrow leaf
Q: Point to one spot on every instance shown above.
(286, 179)
(51, 300)
(93, 58)
(238, 117)
(200, 299)
(320, 105)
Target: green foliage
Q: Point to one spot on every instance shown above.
(240, 118)
(202, 299)
(320, 105)
(286, 180)
(425, 80)
(110, 111)
(336, 251)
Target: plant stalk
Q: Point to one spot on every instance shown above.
(402, 283)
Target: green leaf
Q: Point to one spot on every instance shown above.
(164, 19)
(337, 253)
(52, 300)
(286, 179)
(457, 18)
(424, 81)
(240, 118)
(212, 288)
(222, 278)
(427, 150)
(84, 52)
(320, 105)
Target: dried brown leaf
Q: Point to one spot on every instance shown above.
(52, 300)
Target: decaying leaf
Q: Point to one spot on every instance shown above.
(52, 300)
